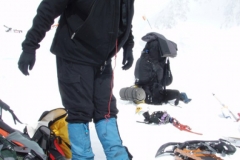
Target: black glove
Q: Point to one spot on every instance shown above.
(26, 61)
(127, 59)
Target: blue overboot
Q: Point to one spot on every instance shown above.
(79, 137)
(109, 137)
(184, 98)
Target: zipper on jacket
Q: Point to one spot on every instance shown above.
(73, 35)
(75, 32)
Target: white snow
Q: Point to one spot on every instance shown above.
(207, 62)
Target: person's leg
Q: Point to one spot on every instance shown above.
(76, 89)
(184, 97)
(175, 94)
(171, 95)
(105, 117)
(108, 134)
(79, 137)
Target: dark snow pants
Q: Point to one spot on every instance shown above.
(171, 94)
(85, 91)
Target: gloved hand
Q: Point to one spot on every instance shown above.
(127, 59)
(26, 61)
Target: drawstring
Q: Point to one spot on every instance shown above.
(109, 102)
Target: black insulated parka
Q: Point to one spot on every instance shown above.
(88, 30)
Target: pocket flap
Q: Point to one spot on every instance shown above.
(69, 78)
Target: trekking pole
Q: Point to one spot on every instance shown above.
(226, 107)
(145, 19)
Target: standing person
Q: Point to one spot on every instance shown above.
(89, 34)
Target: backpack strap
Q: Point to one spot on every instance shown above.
(166, 73)
(47, 140)
(30, 154)
(41, 136)
(7, 108)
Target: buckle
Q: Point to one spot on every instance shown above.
(102, 68)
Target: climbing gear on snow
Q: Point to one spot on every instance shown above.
(226, 108)
(182, 127)
(196, 154)
(233, 140)
(162, 117)
(197, 149)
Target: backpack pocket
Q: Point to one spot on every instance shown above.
(144, 72)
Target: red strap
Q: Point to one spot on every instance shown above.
(183, 127)
(109, 102)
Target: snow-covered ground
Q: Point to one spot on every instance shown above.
(207, 62)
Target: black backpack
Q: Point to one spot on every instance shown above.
(153, 66)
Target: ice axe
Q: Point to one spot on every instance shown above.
(226, 107)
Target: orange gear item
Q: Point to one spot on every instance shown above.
(196, 154)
